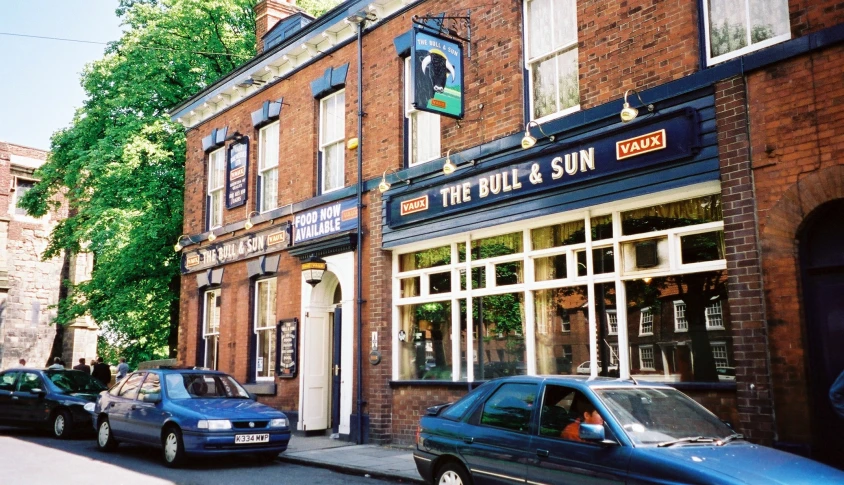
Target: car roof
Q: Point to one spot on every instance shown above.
(583, 381)
(181, 370)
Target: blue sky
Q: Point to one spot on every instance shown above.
(39, 78)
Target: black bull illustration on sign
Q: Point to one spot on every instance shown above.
(431, 76)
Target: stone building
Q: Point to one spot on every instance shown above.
(30, 287)
(652, 186)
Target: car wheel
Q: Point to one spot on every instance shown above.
(105, 440)
(62, 424)
(174, 447)
(452, 474)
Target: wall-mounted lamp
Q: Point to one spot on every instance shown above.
(384, 185)
(361, 16)
(179, 246)
(629, 113)
(250, 82)
(528, 140)
(248, 224)
(448, 167)
(313, 269)
(212, 237)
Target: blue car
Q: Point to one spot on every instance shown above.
(188, 412)
(573, 430)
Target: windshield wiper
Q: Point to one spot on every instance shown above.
(734, 436)
(688, 439)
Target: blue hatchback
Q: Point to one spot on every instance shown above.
(572, 430)
(188, 412)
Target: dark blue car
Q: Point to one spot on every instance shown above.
(188, 412)
(573, 430)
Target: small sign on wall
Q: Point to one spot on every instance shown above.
(237, 173)
(288, 345)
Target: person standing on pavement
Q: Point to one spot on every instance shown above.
(57, 363)
(122, 368)
(101, 371)
(83, 366)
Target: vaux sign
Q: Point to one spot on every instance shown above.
(250, 245)
(664, 139)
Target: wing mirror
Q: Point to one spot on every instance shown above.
(152, 397)
(38, 390)
(594, 433)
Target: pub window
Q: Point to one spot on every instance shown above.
(265, 328)
(423, 128)
(216, 186)
(551, 57)
(736, 27)
(211, 327)
(268, 167)
(332, 132)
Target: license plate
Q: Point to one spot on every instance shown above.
(240, 439)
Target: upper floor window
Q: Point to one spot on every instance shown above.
(332, 131)
(714, 318)
(216, 187)
(268, 167)
(612, 322)
(22, 186)
(423, 128)
(552, 63)
(736, 27)
(680, 322)
(646, 322)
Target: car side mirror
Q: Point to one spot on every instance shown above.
(152, 397)
(594, 433)
(38, 390)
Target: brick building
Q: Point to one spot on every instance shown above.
(28, 285)
(550, 227)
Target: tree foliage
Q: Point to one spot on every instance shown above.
(120, 166)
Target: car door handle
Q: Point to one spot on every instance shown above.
(542, 453)
(14, 398)
(468, 439)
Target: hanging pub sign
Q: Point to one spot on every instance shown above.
(437, 74)
(325, 220)
(237, 173)
(288, 345)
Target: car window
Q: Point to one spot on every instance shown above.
(555, 413)
(203, 386)
(510, 407)
(72, 381)
(29, 381)
(456, 411)
(130, 387)
(7, 381)
(151, 385)
(115, 390)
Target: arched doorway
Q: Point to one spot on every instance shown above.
(821, 242)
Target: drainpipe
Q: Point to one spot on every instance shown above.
(358, 286)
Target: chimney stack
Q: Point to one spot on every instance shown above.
(267, 14)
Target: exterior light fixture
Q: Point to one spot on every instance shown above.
(528, 140)
(313, 269)
(179, 246)
(360, 17)
(212, 237)
(448, 167)
(629, 113)
(384, 185)
(248, 224)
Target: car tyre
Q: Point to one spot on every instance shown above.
(174, 447)
(105, 438)
(452, 473)
(62, 424)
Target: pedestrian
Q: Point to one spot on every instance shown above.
(101, 371)
(122, 368)
(57, 363)
(22, 362)
(82, 366)
(836, 395)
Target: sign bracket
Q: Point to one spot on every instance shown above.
(449, 26)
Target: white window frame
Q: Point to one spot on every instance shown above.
(642, 350)
(613, 354)
(271, 285)
(419, 123)
(681, 323)
(749, 47)
(555, 51)
(719, 354)
(565, 324)
(714, 316)
(646, 321)
(216, 192)
(327, 143)
(268, 149)
(612, 322)
(210, 329)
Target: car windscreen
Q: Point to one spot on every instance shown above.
(653, 416)
(203, 386)
(74, 381)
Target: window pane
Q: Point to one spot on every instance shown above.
(510, 407)
(602, 227)
(212, 347)
(428, 258)
(269, 146)
(562, 330)
(565, 22)
(265, 362)
(539, 27)
(558, 235)
(497, 246)
(500, 345)
(130, 388)
(727, 26)
(544, 87)
(769, 19)
(440, 283)
(21, 188)
(333, 169)
(550, 268)
(266, 304)
(602, 261)
(697, 248)
(410, 287)
(508, 273)
(478, 278)
(269, 190)
(216, 208)
(671, 215)
(425, 352)
(212, 312)
(425, 137)
(569, 88)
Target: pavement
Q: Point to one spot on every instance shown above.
(383, 462)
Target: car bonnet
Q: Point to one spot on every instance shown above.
(228, 408)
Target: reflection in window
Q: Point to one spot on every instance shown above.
(601, 227)
(496, 246)
(510, 407)
(558, 235)
(697, 248)
(508, 273)
(646, 357)
(439, 283)
(426, 351)
(713, 316)
(719, 353)
(410, 287)
(612, 322)
(602, 261)
(562, 329)
(739, 26)
(478, 278)
(550, 268)
(680, 322)
(671, 215)
(427, 258)
(551, 56)
(646, 322)
(500, 345)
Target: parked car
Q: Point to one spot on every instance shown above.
(188, 412)
(528, 429)
(47, 399)
(583, 369)
(726, 373)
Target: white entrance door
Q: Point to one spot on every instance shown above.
(316, 370)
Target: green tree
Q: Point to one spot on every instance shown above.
(318, 7)
(120, 166)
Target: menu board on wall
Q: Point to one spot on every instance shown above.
(288, 345)
(237, 173)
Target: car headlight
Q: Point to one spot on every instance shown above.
(214, 424)
(89, 406)
(278, 423)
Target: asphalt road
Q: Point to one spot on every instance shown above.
(33, 458)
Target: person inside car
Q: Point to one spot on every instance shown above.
(586, 413)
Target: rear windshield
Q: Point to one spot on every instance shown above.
(456, 411)
(203, 386)
(74, 381)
